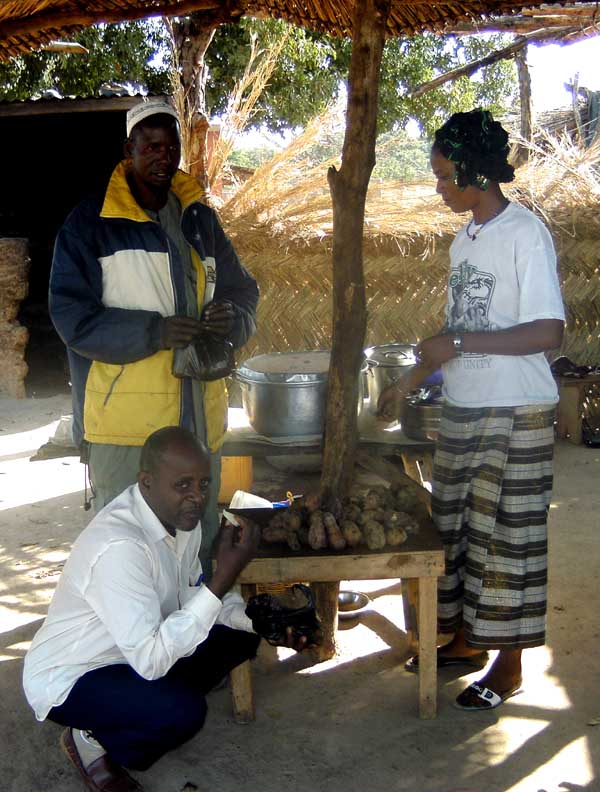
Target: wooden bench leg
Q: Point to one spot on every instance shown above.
(242, 696)
(326, 602)
(427, 647)
(410, 607)
(240, 679)
(569, 412)
(411, 468)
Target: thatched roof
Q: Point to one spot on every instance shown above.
(29, 24)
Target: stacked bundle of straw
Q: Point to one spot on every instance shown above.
(14, 269)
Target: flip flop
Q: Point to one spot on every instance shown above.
(477, 661)
(476, 697)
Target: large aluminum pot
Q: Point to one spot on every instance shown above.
(383, 365)
(284, 394)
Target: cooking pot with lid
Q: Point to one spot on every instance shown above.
(284, 393)
(384, 364)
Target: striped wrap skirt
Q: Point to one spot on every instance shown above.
(492, 483)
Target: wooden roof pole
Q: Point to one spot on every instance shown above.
(348, 188)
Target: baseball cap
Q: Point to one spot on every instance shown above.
(148, 108)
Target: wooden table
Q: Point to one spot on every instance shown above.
(420, 558)
(374, 439)
(417, 563)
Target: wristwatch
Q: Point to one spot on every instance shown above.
(458, 344)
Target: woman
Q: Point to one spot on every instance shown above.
(493, 462)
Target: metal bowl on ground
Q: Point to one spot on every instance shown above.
(284, 394)
(352, 603)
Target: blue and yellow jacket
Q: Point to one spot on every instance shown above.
(114, 275)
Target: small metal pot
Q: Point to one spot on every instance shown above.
(383, 365)
(421, 419)
(285, 393)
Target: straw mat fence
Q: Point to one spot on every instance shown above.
(280, 222)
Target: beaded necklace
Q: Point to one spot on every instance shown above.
(473, 234)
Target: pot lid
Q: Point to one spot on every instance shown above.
(391, 355)
(287, 367)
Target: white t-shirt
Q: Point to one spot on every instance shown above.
(129, 593)
(504, 277)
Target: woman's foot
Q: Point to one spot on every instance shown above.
(503, 680)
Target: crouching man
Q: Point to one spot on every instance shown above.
(133, 639)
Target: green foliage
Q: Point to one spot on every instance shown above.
(307, 77)
(121, 53)
(251, 157)
(409, 62)
(401, 158)
(311, 71)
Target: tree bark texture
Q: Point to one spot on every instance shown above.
(192, 36)
(348, 188)
(525, 103)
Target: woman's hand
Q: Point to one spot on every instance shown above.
(390, 404)
(434, 351)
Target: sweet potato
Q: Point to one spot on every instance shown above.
(374, 534)
(335, 538)
(396, 535)
(351, 532)
(317, 536)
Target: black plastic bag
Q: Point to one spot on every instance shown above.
(590, 431)
(271, 617)
(208, 358)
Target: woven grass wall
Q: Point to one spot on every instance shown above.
(281, 225)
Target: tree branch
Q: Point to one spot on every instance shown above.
(494, 57)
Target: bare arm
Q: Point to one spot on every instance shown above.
(522, 339)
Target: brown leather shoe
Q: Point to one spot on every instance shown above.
(102, 775)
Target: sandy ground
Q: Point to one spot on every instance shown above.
(350, 724)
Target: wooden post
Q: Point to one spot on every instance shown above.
(326, 602)
(240, 679)
(348, 188)
(526, 104)
(427, 648)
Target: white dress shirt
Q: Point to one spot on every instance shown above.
(129, 593)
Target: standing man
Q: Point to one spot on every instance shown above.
(133, 641)
(137, 273)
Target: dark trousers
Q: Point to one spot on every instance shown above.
(138, 720)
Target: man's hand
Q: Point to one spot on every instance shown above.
(178, 331)
(235, 549)
(296, 642)
(217, 317)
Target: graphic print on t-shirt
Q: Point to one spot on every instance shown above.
(471, 293)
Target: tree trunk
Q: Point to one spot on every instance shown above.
(191, 37)
(526, 105)
(348, 191)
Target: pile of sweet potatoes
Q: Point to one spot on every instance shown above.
(381, 517)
